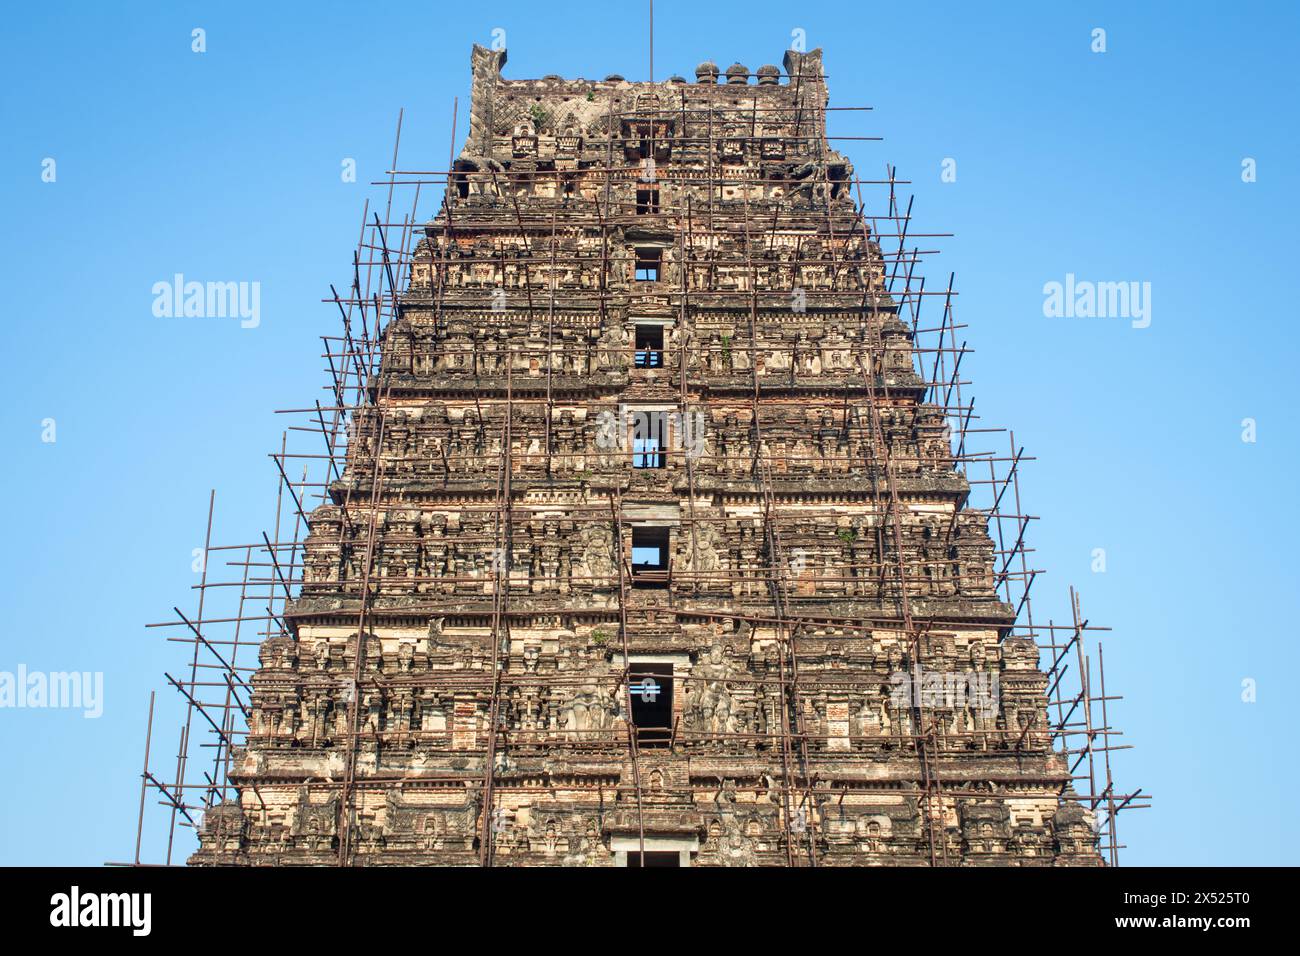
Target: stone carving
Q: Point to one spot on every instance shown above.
(701, 553)
(596, 547)
(592, 706)
(502, 373)
(709, 702)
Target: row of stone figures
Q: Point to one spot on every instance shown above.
(562, 556)
(468, 650)
(410, 431)
(759, 184)
(593, 715)
(798, 354)
(603, 441)
(807, 250)
(730, 834)
(719, 697)
(788, 275)
(557, 132)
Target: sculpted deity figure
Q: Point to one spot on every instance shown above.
(709, 707)
(698, 551)
(596, 563)
(736, 848)
(434, 638)
(590, 708)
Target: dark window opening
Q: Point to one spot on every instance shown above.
(460, 177)
(638, 139)
(650, 557)
(647, 201)
(838, 176)
(649, 346)
(654, 858)
(644, 137)
(651, 687)
(648, 262)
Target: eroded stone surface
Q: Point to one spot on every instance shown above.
(549, 313)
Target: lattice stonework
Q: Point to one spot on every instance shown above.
(647, 532)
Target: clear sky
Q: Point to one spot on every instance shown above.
(225, 165)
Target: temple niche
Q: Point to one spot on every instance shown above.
(610, 576)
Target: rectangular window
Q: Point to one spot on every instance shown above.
(647, 201)
(636, 139)
(651, 687)
(649, 439)
(646, 453)
(649, 557)
(649, 346)
(648, 262)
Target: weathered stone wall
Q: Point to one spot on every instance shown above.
(778, 337)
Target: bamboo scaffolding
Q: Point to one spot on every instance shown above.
(351, 473)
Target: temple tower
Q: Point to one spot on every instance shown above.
(651, 546)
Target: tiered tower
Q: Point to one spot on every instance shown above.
(651, 547)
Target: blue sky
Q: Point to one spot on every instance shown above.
(1116, 166)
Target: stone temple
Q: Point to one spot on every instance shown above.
(650, 546)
